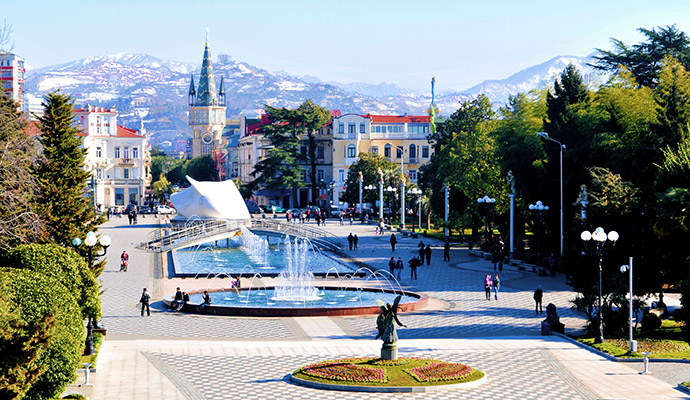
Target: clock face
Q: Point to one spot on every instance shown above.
(207, 138)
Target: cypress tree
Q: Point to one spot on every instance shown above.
(62, 178)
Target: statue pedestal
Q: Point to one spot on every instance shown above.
(389, 351)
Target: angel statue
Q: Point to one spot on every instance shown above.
(387, 320)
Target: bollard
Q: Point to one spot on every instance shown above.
(646, 364)
(87, 371)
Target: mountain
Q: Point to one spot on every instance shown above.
(148, 89)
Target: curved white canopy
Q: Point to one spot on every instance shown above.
(210, 200)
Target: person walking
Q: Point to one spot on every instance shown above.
(538, 295)
(350, 240)
(393, 241)
(446, 251)
(124, 260)
(144, 300)
(497, 285)
(391, 266)
(355, 239)
(553, 263)
(399, 266)
(414, 263)
(427, 253)
(341, 218)
(487, 286)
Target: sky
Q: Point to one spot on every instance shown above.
(461, 43)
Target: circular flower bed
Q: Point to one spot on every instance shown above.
(403, 372)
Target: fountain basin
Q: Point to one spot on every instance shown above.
(263, 305)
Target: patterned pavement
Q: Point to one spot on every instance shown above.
(227, 357)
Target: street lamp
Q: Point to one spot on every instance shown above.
(445, 229)
(361, 209)
(487, 202)
(392, 191)
(599, 237)
(539, 208)
(418, 192)
(562, 147)
(511, 183)
(624, 268)
(90, 241)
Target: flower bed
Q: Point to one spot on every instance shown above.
(373, 371)
(440, 371)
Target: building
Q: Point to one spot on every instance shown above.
(207, 112)
(12, 72)
(117, 157)
(400, 138)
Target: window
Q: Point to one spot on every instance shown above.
(398, 152)
(99, 173)
(418, 128)
(351, 128)
(319, 175)
(341, 128)
(425, 151)
(341, 175)
(303, 175)
(99, 152)
(413, 151)
(117, 153)
(303, 151)
(125, 154)
(362, 128)
(387, 150)
(413, 174)
(133, 196)
(125, 173)
(375, 150)
(320, 152)
(135, 173)
(351, 151)
(119, 196)
(135, 152)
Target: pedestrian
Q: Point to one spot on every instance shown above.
(399, 266)
(381, 226)
(495, 254)
(391, 266)
(124, 260)
(427, 253)
(421, 244)
(393, 241)
(421, 252)
(350, 240)
(341, 218)
(553, 263)
(377, 230)
(355, 239)
(538, 295)
(497, 285)
(487, 286)
(501, 253)
(446, 251)
(350, 219)
(144, 300)
(414, 263)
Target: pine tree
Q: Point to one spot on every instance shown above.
(19, 221)
(67, 212)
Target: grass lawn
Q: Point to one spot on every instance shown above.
(662, 343)
(370, 371)
(97, 342)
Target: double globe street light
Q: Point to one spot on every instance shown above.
(90, 241)
(539, 209)
(487, 202)
(600, 237)
(418, 192)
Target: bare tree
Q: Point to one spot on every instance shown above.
(6, 42)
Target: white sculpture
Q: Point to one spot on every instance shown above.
(219, 200)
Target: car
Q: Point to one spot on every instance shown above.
(277, 209)
(387, 212)
(333, 210)
(164, 210)
(144, 210)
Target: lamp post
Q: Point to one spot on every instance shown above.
(539, 209)
(392, 191)
(90, 241)
(380, 195)
(445, 230)
(624, 268)
(401, 149)
(361, 209)
(511, 183)
(418, 192)
(599, 237)
(487, 202)
(562, 147)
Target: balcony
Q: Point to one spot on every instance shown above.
(125, 161)
(413, 160)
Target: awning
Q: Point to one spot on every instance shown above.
(272, 193)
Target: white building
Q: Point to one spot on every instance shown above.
(118, 158)
(12, 77)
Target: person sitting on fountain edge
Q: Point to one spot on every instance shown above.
(185, 300)
(206, 303)
(177, 300)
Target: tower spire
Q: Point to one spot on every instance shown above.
(206, 95)
(192, 92)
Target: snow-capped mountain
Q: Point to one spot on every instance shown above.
(142, 86)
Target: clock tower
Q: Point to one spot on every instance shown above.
(207, 111)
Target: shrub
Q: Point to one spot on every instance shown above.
(63, 265)
(35, 297)
(650, 322)
(75, 396)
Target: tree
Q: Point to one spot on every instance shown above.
(19, 221)
(673, 99)
(162, 164)
(6, 43)
(644, 59)
(369, 164)
(61, 174)
(162, 188)
(201, 168)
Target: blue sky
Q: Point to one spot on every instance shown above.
(462, 43)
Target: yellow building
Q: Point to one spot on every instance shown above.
(400, 138)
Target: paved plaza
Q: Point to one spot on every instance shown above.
(182, 356)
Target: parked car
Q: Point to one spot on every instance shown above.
(144, 210)
(333, 210)
(277, 209)
(164, 210)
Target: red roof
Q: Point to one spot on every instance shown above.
(398, 119)
(31, 128)
(126, 132)
(95, 109)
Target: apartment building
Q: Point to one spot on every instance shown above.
(12, 72)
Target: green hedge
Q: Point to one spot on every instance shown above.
(65, 266)
(34, 297)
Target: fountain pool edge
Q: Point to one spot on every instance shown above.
(421, 302)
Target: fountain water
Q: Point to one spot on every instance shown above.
(255, 246)
(296, 283)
